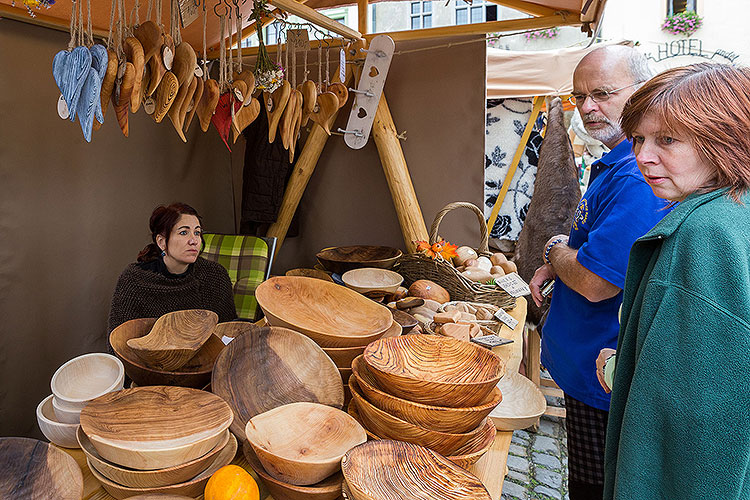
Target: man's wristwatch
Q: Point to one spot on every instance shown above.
(548, 249)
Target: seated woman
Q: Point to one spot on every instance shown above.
(169, 275)
(678, 420)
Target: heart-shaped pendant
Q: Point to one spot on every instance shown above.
(108, 85)
(70, 70)
(134, 55)
(149, 34)
(197, 95)
(286, 125)
(207, 104)
(165, 96)
(89, 103)
(275, 103)
(244, 117)
(325, 108)
(121, 100)
(179, 108)
(309, 98)
(222, 117)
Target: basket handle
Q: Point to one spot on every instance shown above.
(483, 244)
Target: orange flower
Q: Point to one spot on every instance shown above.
(441, 248)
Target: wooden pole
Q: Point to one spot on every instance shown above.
(397, 174)
(362, 16)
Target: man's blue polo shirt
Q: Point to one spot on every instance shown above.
(618, 208)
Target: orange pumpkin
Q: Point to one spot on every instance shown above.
(231, 482)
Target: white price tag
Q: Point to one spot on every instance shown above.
(342, 66)
(198, 71)
(506, 318)
(167, 57)
(514, 285)
(226, 339)
(149, 105)
(62, 108)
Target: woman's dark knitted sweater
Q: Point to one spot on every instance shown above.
(143, 293)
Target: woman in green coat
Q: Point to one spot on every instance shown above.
(679, 420)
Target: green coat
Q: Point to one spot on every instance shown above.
(679, 420)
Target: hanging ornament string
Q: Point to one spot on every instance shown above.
(239, 40)
(222, 55)
(150, 8)
(110, 40)
(174, 22)
(279, 47)
(74, 26)
(286, 54)
(306, 71)
(158, 12)
(205, 57)
(89, 33)
(320, 67)
(328, 64)
(294, 63)
(79, 22)
(120, 29)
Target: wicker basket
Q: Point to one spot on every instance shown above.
(417, 266)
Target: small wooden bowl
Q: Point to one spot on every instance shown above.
(57, 432)
(64, 415)
(327, 489)
(342, 259)
(522, 405)
(372, 279)
(384, 470)
(149, 478)
(343, 356)
(309, 273)
(192, 488)
(330, 314)
(35, 470)
(406, 320)
(86, 377)
(434, 370)
(302, 443)
(437, 418)
(272, 367)
(196, 373)
(175, 338)
(385, 425)
(155, 427)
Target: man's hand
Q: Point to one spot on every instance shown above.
(540, 276)
(604, 355)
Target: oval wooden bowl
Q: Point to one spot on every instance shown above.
(385, 425)
(64, 415)
(271, 367)
(437, 418)
(327, 489)
(175, 338)
(384, 470)
(151, 478)
(434, 370)
(330, 314)
(342, 259)
(302, 443)
(343, 356)
(310, 273)
(406, 320)
(522, 405)
(191, 488)
(195, 373)
(155, 427)
(35, 470)
(57, 432)
(372, 279)
(86, 377)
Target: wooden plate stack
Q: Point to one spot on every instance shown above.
(156, 439)
(428, 390)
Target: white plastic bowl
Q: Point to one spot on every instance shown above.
(86, 377)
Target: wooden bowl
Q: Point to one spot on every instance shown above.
(230, 330)
(86, 377)
(148, 478)
(60, 433)
(191, 488)
(372, 279)
(330, 314)
(272, 367)
(343, 356)
(345, 374)
(310, 273)
(434, 370)
(466, 456)
(35, 470)
(327, 489)
(175, 338)
(384, 470)
(302, 443)
(437, 418)
(385, 425)
(64, 415)
(342, 259)
(522, 405)
(155, 427)
(196, 373)
(406, 320)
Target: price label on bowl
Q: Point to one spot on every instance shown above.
(506, 318)
(514, 285)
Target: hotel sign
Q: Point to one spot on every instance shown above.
(690, 47)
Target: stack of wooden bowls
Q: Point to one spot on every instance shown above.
(428, 390)
(156, 440)
(73, 385)
(338, 319)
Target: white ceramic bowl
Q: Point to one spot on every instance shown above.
(59, 433)
(64, 415)
(86, 377)
(370, 279)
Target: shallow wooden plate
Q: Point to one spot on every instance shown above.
(155, 427)
(271, 367)
(342, 259)
(330, 314)
(35, 470)
(523, 403)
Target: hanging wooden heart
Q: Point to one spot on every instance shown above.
(156, 71)
(70, 70)
(275, 103)
(239, 87)
(178, 117)
(309, 98)
(325, 108)
(108, 85)
(100, 63)
(121, 99)
(165, 96)
(342, 93)
(89, 103)
(208, 102)
(297, 126)
(248, 77)
(197, 96)
(183, 67)
(149, 34)
(244, 117)
(222, 117)
(286, 124)
(135, 55)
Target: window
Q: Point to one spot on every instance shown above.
(476, 12)
(272, 33)
(421, 14)
(677, 6)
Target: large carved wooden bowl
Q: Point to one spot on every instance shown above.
(330, 314)
(524, 403)
(342, 259)
(343, 356)
(271, 367)
(155, 427)
(302, 443)
(434, 370)
(387, 426)
(437, 418)
(384, 470)
(195, 373)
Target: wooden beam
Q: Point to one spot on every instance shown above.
(362, 16)
(54, 23)
(315, 17)
(526, 7)
(484, 28)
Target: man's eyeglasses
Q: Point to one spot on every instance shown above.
(597, 95)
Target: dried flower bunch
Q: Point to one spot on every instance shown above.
(268, 75)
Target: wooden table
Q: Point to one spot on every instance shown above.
(491, 468)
